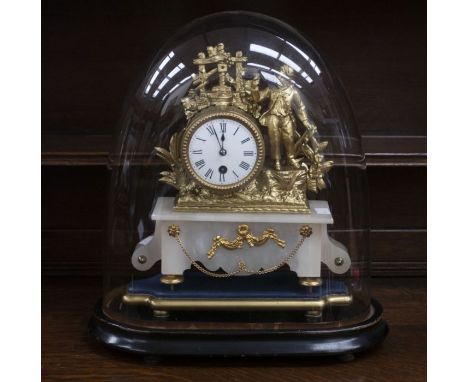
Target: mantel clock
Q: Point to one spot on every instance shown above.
(238, 203)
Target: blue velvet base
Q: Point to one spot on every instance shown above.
(279, 285)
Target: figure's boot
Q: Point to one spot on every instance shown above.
(277, 165)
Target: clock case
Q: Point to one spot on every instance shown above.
(205, 116)
(153, 114)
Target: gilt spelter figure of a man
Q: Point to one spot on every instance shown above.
(279, 117)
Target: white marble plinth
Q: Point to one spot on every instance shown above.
(197, 230)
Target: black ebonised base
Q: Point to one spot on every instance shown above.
(218, 342)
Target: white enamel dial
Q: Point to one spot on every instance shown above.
(222, 152)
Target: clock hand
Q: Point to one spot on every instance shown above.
(216, 135)
(223, 150)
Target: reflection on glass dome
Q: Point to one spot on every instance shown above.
(238, 188)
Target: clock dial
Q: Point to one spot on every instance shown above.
(222, 152)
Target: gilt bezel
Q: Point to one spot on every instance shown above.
(228, 113)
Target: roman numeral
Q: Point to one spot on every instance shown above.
(200, 139)
(198, 151)
(200, 163)
(221, 177)
(209, 173)
(245, 140)
(248, 153)
(223, 127)
(236, 130)
(237, 176)
(211, 129)
(244, 165)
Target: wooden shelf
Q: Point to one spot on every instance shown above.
(93, 150)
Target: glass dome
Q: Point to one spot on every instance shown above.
(268, 53)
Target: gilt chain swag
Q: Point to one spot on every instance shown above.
(305, 231)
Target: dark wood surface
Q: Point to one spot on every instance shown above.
(69, 353)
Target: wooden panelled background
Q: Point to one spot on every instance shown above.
(94, 51)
